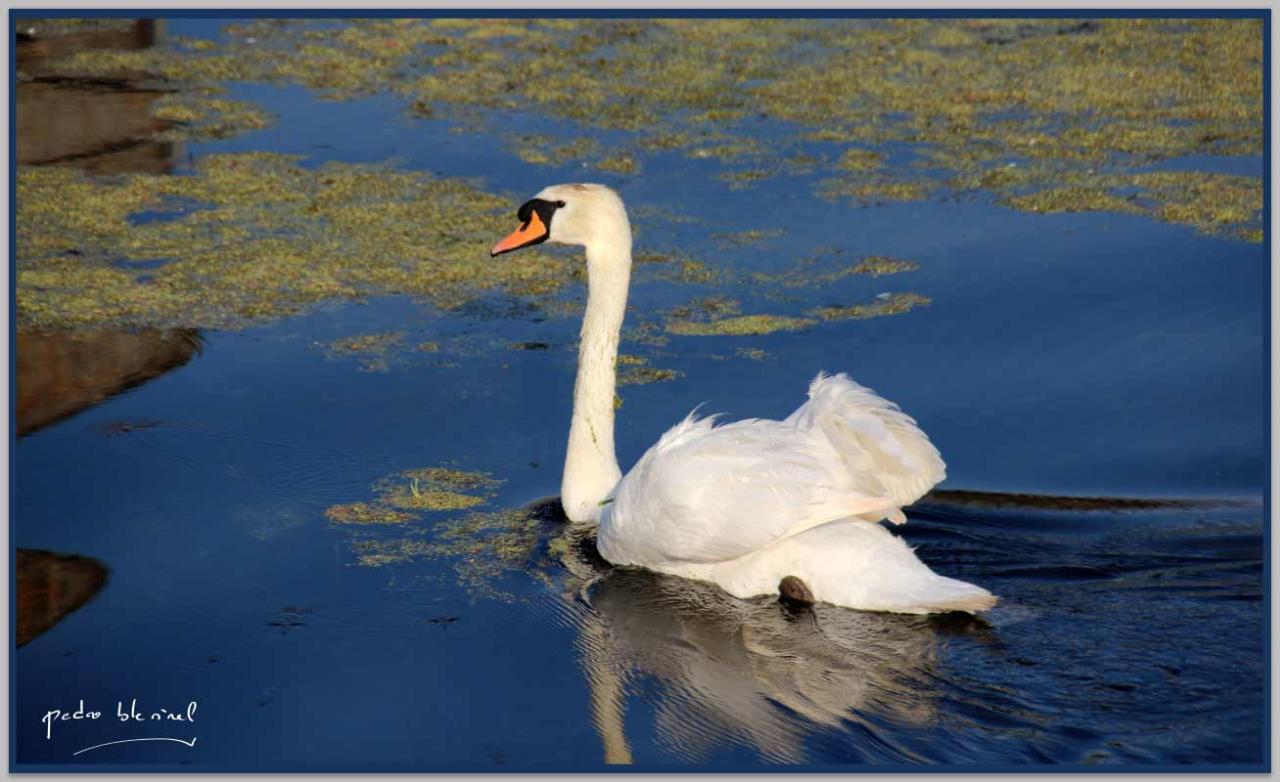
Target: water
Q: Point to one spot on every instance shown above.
(1085, 354)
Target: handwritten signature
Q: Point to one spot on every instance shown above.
(132, 715)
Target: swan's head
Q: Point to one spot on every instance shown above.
(569, 214)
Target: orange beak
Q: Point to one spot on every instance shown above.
(531, 232)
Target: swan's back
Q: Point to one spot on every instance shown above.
(745, 504)
(706, 493)
(883, 451)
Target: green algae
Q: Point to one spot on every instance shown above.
(880, 265)
(753, 237)
(816, 269)
(193, 116)
(643, 375)
(484, 547)
(366, 343)
(432, 499)
(1211, 203)
(425, 489)
(860, 160)
(1071, 199)
(877, 189)
(366, 513)
(541, 150)
(447, 477)
(738, 326)
(257, 236)
(371, 349)
(618, 164)
(681, 268)
(888, 304)
(970, 96)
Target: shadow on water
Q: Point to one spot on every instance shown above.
(104, 125)
(62, 373)
(50, 586)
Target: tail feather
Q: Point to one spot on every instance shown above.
(948, 594)
(851, 564)
(884, 451)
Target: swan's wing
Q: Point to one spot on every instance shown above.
(883, 450)
(710, 494)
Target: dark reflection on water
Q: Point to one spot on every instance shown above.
(1110, 646)
(102, 125)
(751, 673)
(50, 586)
(61, 373)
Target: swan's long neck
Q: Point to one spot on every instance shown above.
(591, 464)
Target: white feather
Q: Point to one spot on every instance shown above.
(745, 504)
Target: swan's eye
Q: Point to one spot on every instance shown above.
(560, 204)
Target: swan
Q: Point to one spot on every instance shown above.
(758, 507)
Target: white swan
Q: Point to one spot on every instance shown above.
(748, 504)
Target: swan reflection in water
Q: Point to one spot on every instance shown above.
(747, 672)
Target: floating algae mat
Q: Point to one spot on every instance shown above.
(268, 236)
(249, 237)
(1021, 108)
(484, 546)
(405, 495)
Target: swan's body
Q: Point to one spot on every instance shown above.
(745, 504)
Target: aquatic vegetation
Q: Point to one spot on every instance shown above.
(431, 499)
(742, 325)
(885, 304)
(484, 547)
(366, 513)
(969, 96)
(435, 489)
(255, 236)
(738, 326)
(618, 164)
(642, 375)
(195, 116)
(366, 343)
(1071, 199)
(877, 189)
(819, 269)
(748, 238)
(426, 489)
(1211, 203)
(371, 348)
(880, 265)
(541, 150)
(860, 160)
(679, 268)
